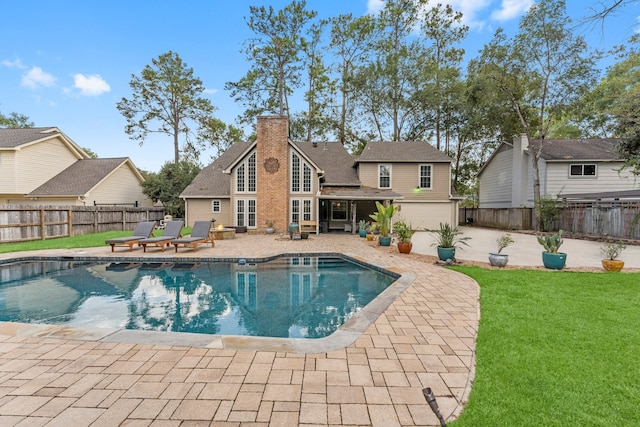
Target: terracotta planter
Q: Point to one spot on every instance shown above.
(612, 264)
(404, 248)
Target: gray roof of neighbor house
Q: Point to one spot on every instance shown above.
(334, 160)
(580, 149)
(402, 151)
(13, 138)
(79, 178)
(212, 181)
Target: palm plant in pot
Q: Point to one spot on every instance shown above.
(498, 259)
(552, 258)
(447, 239)
(383, 218)
(610, 251)
(404, 232)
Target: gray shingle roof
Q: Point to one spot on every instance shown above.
(211, 181)
(11, 138)
(334, 160)
(79, 178)
(402, 151)
(580, 149)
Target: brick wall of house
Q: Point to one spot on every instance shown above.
(272, 170)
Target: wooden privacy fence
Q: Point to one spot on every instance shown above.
(23, 223)
(611, 219)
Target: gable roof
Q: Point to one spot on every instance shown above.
(212, 181)
(15, 138)
(603, 149)
(334, 159)
(402, 151)
(81, 177)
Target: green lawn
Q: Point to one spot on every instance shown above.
(556, 349)
(85, 241)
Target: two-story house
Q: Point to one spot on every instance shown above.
(43, 166)
(567, 167)
(276, 179)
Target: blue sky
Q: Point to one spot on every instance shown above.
(67, 63)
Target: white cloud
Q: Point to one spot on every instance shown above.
(13, 64)
(211, 91)
(35, 78)
(374, 6)
(511, 9)
(91, 85)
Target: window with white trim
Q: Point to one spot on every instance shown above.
(246, 213)
(579, 170)
(300, 175)
(301, 210)
(246, 175)
(338, 211)
(216, 206)
(384, 176)
(424, 178)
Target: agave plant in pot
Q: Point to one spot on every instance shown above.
(498, 259)
(363, 226)
(610, 251)
(447, 239)
(552, 258)
(383, 218)
(404, 232)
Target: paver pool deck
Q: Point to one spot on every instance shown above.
(57, 376)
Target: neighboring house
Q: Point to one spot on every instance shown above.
(43, 166)
(276, 179)
(567, 167)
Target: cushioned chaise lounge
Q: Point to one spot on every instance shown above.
(172, 230)
(199, 235)
(142, 231)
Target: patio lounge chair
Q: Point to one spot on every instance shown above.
(172, 230)
(142, 231)
(199, 234)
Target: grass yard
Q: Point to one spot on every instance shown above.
(556, 349)
(85, 241)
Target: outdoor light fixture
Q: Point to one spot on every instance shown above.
(431, 400)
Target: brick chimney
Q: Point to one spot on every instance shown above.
(272, 170)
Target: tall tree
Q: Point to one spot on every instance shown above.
(351, 42)
(167, 98)
(274, 55)
(15, 120)
(541, 73)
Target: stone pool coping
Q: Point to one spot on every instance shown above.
(346, 334)
(425, 338)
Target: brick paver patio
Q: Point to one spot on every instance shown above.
(425, 338)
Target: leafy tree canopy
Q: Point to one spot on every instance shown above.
(15, 120)
(166, 185)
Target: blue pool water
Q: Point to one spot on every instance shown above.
(306, 297)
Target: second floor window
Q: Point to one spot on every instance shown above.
(300, 171)
(246, 175)
(582, 170)
(425, 176)
(384, 176)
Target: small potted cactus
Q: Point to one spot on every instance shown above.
(552, 258)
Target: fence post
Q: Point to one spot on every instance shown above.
(69, 222)
(42, 226)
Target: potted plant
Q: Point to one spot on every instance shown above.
(551, 257)
(447, 239)
(498, 259)
(370, 232)
(610, 251)
(405, 232)
(363, 226)
(269, 223)
(383, 218)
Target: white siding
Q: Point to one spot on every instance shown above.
(8, 182)
(606, 179)
(427, 215)
(122, 186)
(496, 180)
(38, 163)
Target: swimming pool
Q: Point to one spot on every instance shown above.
(292, 296)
